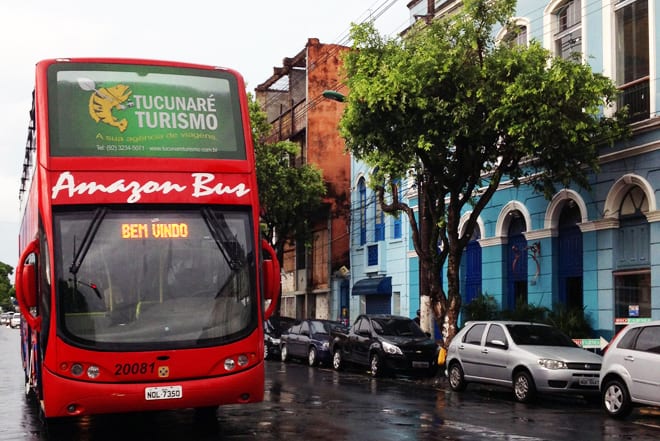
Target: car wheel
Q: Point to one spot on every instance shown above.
(456, 378)
(337, 362)
(284, 353)
(524, 389)
(616, 399)
(312, 359)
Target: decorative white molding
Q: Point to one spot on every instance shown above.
(503, 219)
(619, 189)
(563, 197)
(600, 224)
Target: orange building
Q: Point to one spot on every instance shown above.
(314, 281)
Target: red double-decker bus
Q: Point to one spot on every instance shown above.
(143, 282)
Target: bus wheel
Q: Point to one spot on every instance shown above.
(206, 413)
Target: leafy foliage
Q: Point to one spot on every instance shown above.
(6, 288)
(463, 114)
(571, 321)
(526, 312)
(482, 307)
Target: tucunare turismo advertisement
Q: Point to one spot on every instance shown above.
(116, 110)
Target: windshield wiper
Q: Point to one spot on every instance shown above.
(79, 255)
(229, 247)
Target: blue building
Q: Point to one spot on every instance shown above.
(598, 250)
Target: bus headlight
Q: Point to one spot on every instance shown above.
(93, 372)
(242, 360)
(230, 364)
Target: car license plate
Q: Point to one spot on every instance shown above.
(163, 393)
(420, 364)
(588, 381)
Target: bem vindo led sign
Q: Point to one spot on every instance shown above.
(154, 231)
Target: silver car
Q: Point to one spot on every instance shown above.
(630, 374)
(527, 357)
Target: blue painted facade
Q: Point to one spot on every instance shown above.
(599, 249)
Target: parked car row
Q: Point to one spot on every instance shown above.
(382, 344)
(5, 317)
(273, 328)
(533, 358)
(529, 358)
(11, 319)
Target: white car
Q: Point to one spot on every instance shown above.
(526, 357)
(630, 374)
(15, 321)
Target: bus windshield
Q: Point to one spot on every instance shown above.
(150, 278)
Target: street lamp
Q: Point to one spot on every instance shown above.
(334, 95)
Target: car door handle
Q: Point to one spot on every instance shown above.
(629, 358)
(484, 351)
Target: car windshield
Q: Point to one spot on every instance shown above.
(277, 325)
(538, 335)
(397, 327)
(319, 327)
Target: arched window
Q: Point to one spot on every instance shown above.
(379, 220)
(517, 261)
(567, 28)
(472, 266)
(569, 246)
(517, 36)
(632, 276)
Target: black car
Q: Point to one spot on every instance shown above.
(273, 328)
(310, 340)
(386, 343)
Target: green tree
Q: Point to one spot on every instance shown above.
(290, 196)
(459, 112)
(6, 288)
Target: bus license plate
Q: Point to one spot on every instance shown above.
(420, 364)
(163, 393)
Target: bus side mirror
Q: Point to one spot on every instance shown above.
(29, 285)
(26, 285)
(271, 278)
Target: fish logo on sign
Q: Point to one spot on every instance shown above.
(163, 371)
(104, 101)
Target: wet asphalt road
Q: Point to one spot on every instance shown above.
(304, 403)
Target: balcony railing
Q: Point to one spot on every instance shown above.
(635, 95)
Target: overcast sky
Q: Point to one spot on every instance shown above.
(249, 36)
